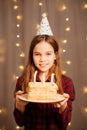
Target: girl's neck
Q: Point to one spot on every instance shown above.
(43, 76)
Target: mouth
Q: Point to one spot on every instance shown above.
(43, 65)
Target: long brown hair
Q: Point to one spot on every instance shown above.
(30, 68)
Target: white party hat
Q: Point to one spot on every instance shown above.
(44, 27)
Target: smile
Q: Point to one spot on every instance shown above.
(43, 65)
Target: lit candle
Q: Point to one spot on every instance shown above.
(52, 77)
(35, 76)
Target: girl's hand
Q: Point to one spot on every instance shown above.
(20, 105)
(62, 104)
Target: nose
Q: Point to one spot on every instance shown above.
(42, 57)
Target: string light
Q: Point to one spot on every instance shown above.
(67, 29)
(18, 25)
(19, 17)
(64, 72)
(85, 89)
(69, 124)
(64, 50)
(15, 77)
(62, 7)
(68, 62)
(22, 54)
(40, 3)
(64, 41)
(2, 50)
(21, 67)
(18, 36)
(86, 38)
(15, 7)
(85, 109)
(17, 44)
(67, 19)
(3, 111)
(85, 6)
(0, 111)
(17, 127)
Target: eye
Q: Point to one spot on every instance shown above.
(36, 54)
(49, 53)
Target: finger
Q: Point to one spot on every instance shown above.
(21, 102)
(64, 101)
(66, 95)
(19, 92)
(57, 105)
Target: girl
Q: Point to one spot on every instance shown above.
(44, 57)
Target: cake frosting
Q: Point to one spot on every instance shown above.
(42, 90)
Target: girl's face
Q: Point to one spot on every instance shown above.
(43, 57)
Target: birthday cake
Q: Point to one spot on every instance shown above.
(42, 91)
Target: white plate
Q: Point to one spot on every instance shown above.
(58, 99)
